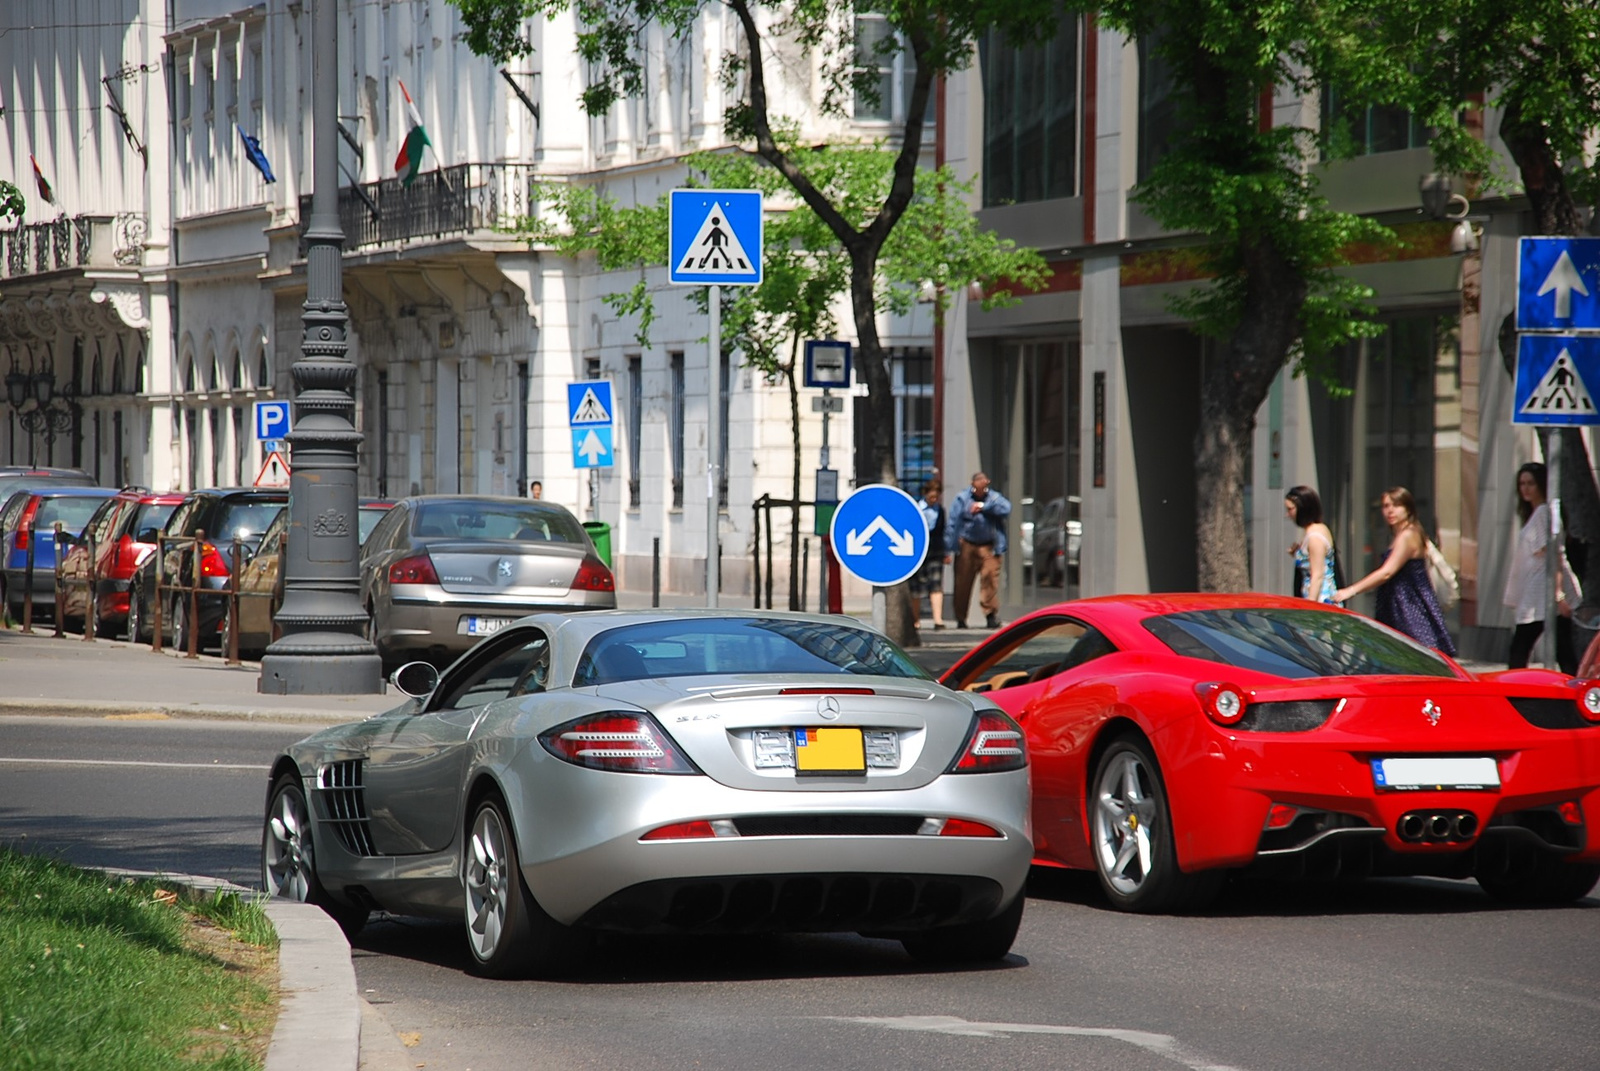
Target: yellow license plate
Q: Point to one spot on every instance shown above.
(828, 750)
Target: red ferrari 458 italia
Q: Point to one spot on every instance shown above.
(1176, 738)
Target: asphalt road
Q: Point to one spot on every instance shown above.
(1418, 973)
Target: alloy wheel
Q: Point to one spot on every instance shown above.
(286, 857)
(488, 883)
(1125, 823)
(135, 618)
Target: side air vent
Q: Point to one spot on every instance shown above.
(344, 805)
(1298, 716)
(1550, 713)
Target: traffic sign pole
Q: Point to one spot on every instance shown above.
(714, 445)
(1552, 555)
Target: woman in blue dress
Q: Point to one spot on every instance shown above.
(1313, 555)
(1405, 593)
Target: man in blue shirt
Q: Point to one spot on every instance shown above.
(976, 534)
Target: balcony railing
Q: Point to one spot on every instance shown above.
(451, 201)
(72, 242)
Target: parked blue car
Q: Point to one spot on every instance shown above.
(40, 509)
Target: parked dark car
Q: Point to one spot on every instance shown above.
(30, 517)
(124, 533)
(14, 478)
(225, 515)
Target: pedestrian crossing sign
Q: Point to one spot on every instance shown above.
(589, 402)
(1554, 377)
(714, 237)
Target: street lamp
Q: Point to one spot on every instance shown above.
(47, 416)
(1440, 202)
(323, 650)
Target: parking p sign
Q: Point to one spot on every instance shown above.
(272, 421)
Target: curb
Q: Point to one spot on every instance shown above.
(319, 1013)
(107, 708)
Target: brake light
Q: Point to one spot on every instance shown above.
(1281, 816)
(994, 743)
(963, 827)
(414, 570)
(696, 830)
(619, 741)
(1589, 703)
(594, 576)
(826, 691)
(1224, 703)
(212, 563)
(25, 524)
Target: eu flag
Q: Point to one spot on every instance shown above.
(253, 153)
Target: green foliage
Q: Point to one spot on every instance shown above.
(12, 204)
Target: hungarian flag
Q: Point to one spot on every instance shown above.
(409, 162)
(44, 184)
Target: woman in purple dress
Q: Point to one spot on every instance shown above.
(1405, 593)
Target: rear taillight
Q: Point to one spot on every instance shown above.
(212, 563)
(413, 570)
(965, 827)
(594, 576)
(1224, 703)
(1589, 703)
(25, 524)
(618, 741)
(1570, 813)
(993, 744)
(695, 830)
(1281, 816)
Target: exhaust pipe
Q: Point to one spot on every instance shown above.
(1411, 827)
(1464, 825)
(1439, 827)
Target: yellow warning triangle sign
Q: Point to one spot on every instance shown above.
(274, 471)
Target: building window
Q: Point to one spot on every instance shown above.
(911, 376)
(1158, 105)
(1371, 129)
(675, 429)
(884, 61)
(635, 429)
(591, 368)
(1030, 116)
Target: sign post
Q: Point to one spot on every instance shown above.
(1558, 371)
(590, 415)
(714, 239)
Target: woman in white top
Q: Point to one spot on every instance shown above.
(1526, 589)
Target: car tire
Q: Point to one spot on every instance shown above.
(1549, 880)
(289, 858)
(970, 942)
(180, 626)
(1132, 839)
(508, 934)
(134, 629)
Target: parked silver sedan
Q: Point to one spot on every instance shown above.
(441, 572)
(665, 772)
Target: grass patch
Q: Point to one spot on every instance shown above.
(100, 974)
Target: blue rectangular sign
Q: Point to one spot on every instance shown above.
(827, 363)
(272, 420)
(591, 447)
(1558, 284)
(1556, 380)
(589, 403)
(714, 237)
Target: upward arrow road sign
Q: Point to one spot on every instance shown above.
(1558, 284)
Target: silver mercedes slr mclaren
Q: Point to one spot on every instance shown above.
(665, 772)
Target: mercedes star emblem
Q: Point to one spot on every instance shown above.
(828, 707)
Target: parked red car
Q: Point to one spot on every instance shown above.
(1177, 738)
(124, 531)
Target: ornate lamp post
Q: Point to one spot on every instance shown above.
(323, 650)
(49, 416)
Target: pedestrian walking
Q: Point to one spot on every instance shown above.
(1313, 553)
(976, 534)
(929, 580)
(1406, 601)
(1526, 590)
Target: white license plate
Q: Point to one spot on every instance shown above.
(1435, 774)
(486, 626)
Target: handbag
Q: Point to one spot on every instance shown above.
(1446, 588)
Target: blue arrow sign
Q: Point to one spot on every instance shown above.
(272, 420)
(591, 447)
(1558, 284)
(589, 403)
(879, 534)
(714, 237)
(1557, 380)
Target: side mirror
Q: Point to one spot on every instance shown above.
(416, 679)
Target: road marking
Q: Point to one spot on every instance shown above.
(1164, 1045)
(136, 762)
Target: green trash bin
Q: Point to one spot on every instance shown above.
(600, 534)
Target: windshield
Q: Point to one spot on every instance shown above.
(497, 520)
(699, 647)
(1297, 643)
(246, 519)
(73, 513)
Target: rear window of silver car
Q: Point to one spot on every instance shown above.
(496, 520)
(701, 647)
(1296, 643)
